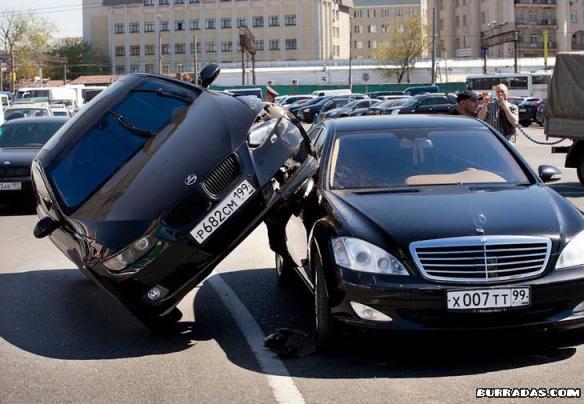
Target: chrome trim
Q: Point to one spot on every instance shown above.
(481, 245)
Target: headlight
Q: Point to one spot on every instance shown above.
(395, 111)
(132, 254)
(573, 253)
(362, 256)
(259, 134)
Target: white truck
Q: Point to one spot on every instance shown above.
(52, 94)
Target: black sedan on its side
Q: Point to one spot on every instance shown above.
(150, 185)
(20, 141)
(426, 223)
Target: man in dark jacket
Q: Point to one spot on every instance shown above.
(466, 104)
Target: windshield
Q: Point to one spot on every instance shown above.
(16, 113)
(27, 134)
(416, 157)
(24, 94)
(116, 138)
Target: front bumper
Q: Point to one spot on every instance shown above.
(24, 194)
(557, 302)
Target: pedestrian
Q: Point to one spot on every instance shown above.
(500, 113)
(466, 104)
(271, 94)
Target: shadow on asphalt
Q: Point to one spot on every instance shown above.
(568, 189)
(61, 314)
(17, 209)
(389, 355)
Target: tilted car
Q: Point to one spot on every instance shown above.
(425, 222)
(150, 185)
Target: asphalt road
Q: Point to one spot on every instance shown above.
(62, 339)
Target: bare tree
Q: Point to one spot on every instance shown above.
(408, 39)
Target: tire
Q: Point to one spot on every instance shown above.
(580, 169)
(325, 332)
(283, 272)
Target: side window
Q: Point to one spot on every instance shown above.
(317, 137)
(427, 101)
(440, 100)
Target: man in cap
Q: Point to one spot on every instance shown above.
(466, 103)
(271, 94)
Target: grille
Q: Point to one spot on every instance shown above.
(6, 172)
(222, 176)
(481, 258)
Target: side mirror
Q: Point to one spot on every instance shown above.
(209, 74)
(45, 226)
(549, 173)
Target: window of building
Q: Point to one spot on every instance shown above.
(134, 27)
(134, 68)
(179, 25)
(458, 21)
(149, 67)
(164, 26)
(120, 51)
(372, 29)
(226, 46)
(359, 44)
(195, 47)
(290, 20)
(290, 44)
(148, 50)
(274, 44)
(241, 22)
(134, 50)
(457, 43)
(194, 24)
(274, 21)
(120, 69)
(165, 68)
(148, 2)
(179, 1)
(225, 23)
(179, 48)
(464, 20)
(210, 23)
(258, 22)
(483, 17)
(165, 49)
(148, 27)
(180, 68)
(260, 45)
(573, 17)
(194, 1)
(119, 28)
(211, 47)
(163, 2)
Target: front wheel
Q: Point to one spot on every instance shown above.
(324, 323)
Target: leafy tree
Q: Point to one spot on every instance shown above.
(82, 59)
(407, 40)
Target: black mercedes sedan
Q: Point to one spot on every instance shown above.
(20, 141)
(431, 222)
(156, 180)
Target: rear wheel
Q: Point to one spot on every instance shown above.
(283, 272)
(324, 323)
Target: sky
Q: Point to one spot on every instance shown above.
(65, 14)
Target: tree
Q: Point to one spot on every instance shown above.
(406, 42)
(23, 36)
(82, 59)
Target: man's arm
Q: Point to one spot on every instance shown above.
(482, 113)
(511, 112)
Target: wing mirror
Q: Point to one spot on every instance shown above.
(209, 74)
(549, 173)
(45, 226)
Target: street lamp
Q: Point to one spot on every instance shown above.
(159, 46)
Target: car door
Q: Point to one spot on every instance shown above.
(441, 105)
(425, 106)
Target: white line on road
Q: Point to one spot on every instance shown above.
(283, 386)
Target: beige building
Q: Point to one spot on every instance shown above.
(461, 22)
(141, 34)
(372, 22)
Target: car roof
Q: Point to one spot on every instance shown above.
(36, 120)
(407, 121)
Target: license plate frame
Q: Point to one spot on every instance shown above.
(10, 186)
(223, 211)
(488, 299)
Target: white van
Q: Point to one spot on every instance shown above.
(85, 93)
(326, 93)
(51, 93)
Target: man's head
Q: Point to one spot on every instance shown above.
(466, 102)
(271, 94)
(501, 90)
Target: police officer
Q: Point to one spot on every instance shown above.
(271, 94)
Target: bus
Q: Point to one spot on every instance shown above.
(520, 84)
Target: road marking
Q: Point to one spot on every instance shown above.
(283, 386)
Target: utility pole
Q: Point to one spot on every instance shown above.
(64, 73)
(196, 60)
(433, 46)
(159, 47)
(350, 52)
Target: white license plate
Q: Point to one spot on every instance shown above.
(10, 186)
(522, 110)
(227, 207)
(488, 298)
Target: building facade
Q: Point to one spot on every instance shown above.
(171, 35)
(460, 24)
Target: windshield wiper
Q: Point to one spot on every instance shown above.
(137, 131)
(184, 98)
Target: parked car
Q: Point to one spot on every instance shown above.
(539, 118)
(528, 110)
(345, 110)
(326, 93)
(423, 104)
(20, 141)
(403, 230)
(421, 90)
(309, 113)
(27, 110)
(242, 92)
(291, 99)
(298, 105)
(363, 111)
(385, 107)
(154, 182)
(378, 94)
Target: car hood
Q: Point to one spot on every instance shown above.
(16, 156)
(451, 211)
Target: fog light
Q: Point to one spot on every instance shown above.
(368, 313)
